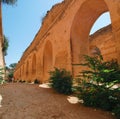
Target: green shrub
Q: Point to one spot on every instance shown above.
(20, 81)
(95, 84)
(2, 75)
(5, 45)
(23, 81)
(98, 96)
(117, 111)
(36, 81)
(101, 72)
(61, 81)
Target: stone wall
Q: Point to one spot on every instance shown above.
(64, 38)
(103, 39)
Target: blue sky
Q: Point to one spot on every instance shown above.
(22, 21)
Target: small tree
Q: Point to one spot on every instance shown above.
(5, 45)
(61, 81)
(96, 84)
(100, 72)
(10, 71)
(12, 66)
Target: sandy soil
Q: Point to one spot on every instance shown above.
(25, 101)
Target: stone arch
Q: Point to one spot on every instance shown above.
(47, 60)
(27, 69)
(34, 65)
(103, 21)
(104, 40)
(16, 76)
(20, 73)
(23, 71)
(39, 65)
(83, 21)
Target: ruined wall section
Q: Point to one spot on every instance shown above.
(104, 40)
(49, 20)
(62, 27)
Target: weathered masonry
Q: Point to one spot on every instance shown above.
(64, 38)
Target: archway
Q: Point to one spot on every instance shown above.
(47, 60)
(22, 72)
(27, 70)
(83, 21)
(102, 22)
(39, 66)
(34, 66)
(103, 37)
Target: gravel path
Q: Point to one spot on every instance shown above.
(25, 101)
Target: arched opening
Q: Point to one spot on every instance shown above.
(101, 36)
(27, 69)
(83, 21)
(103, 21)
(23, 72)
(34, 65)
(39, 66)
(47, 60)
(20, 73)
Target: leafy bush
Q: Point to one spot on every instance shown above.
(5, 45)
(23, 81)
(36, 81)
(95, 85)
(117, 111)
(20, 81)
(61, 81)
(101, 72)
(1, 75)
(98, 96)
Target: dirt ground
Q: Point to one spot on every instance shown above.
(26, 101)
